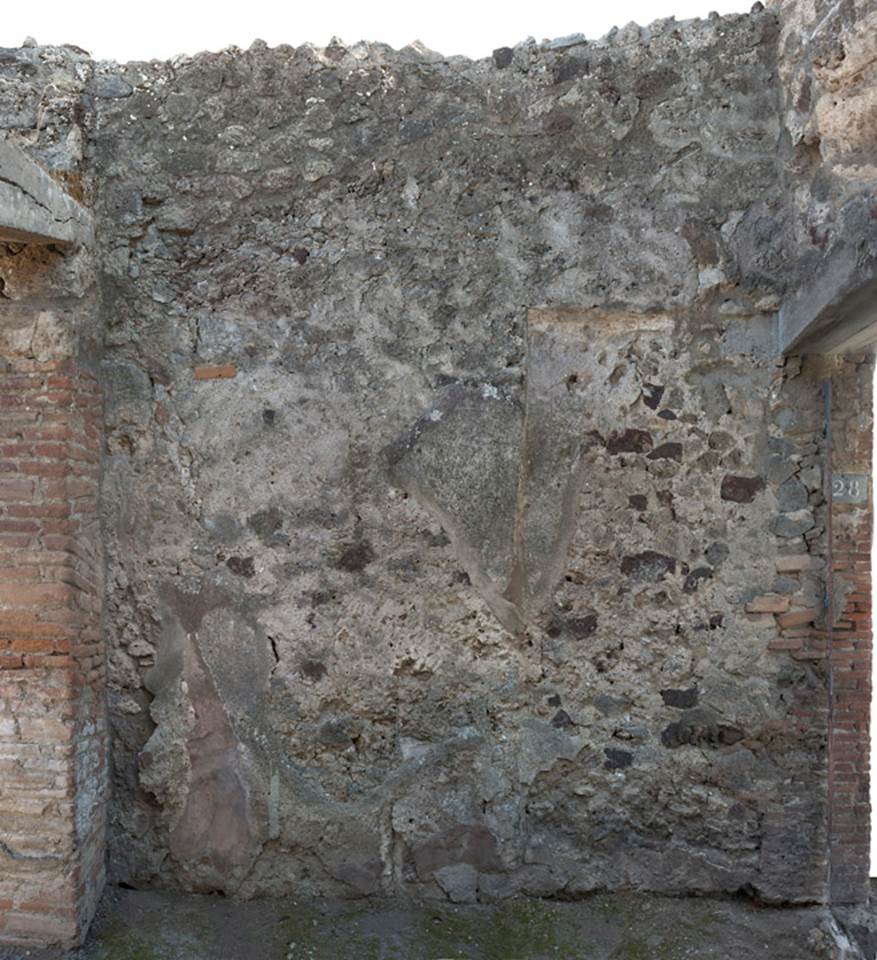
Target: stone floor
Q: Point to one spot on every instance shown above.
(150, 925)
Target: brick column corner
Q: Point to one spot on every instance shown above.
(848, 628)
(53, 726)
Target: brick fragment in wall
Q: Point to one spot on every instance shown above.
(224, 371)
(768, 604)
(797, 618)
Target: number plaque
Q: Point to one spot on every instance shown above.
(849, 488)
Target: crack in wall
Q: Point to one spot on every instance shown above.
(30, 195)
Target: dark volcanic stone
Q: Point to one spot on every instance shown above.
(638, 501)
(700, 728)
(648, 565)
(356, 557)
(629, 441)
(684, 699)
(741, 489)
(569, 68)
(562, 719)
(654, 82)
(581, 627)
(502, 57)
(652, 394)
(241, 566)
(696, 578)
(617, 759)
(314, 670)
(667, 451)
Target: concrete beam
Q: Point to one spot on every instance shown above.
(34, 208)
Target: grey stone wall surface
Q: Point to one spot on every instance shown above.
(447, 441)
(48, 292)
(828, 73)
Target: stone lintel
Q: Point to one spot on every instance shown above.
(34, 208)
(834, 309)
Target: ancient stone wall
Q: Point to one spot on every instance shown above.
(465, 528)
(440, 416)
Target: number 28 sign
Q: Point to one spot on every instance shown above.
(849, 488)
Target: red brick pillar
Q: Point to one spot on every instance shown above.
(848, 628)
(53, 729)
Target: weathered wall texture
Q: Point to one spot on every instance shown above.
(828, 73)
(53, 718)
(433, 591)
(464, 529)
(828, 68)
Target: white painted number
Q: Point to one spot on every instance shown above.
(852, 488)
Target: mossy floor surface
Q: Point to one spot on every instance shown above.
(151, 925)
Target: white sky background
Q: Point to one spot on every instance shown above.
(162, 28)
